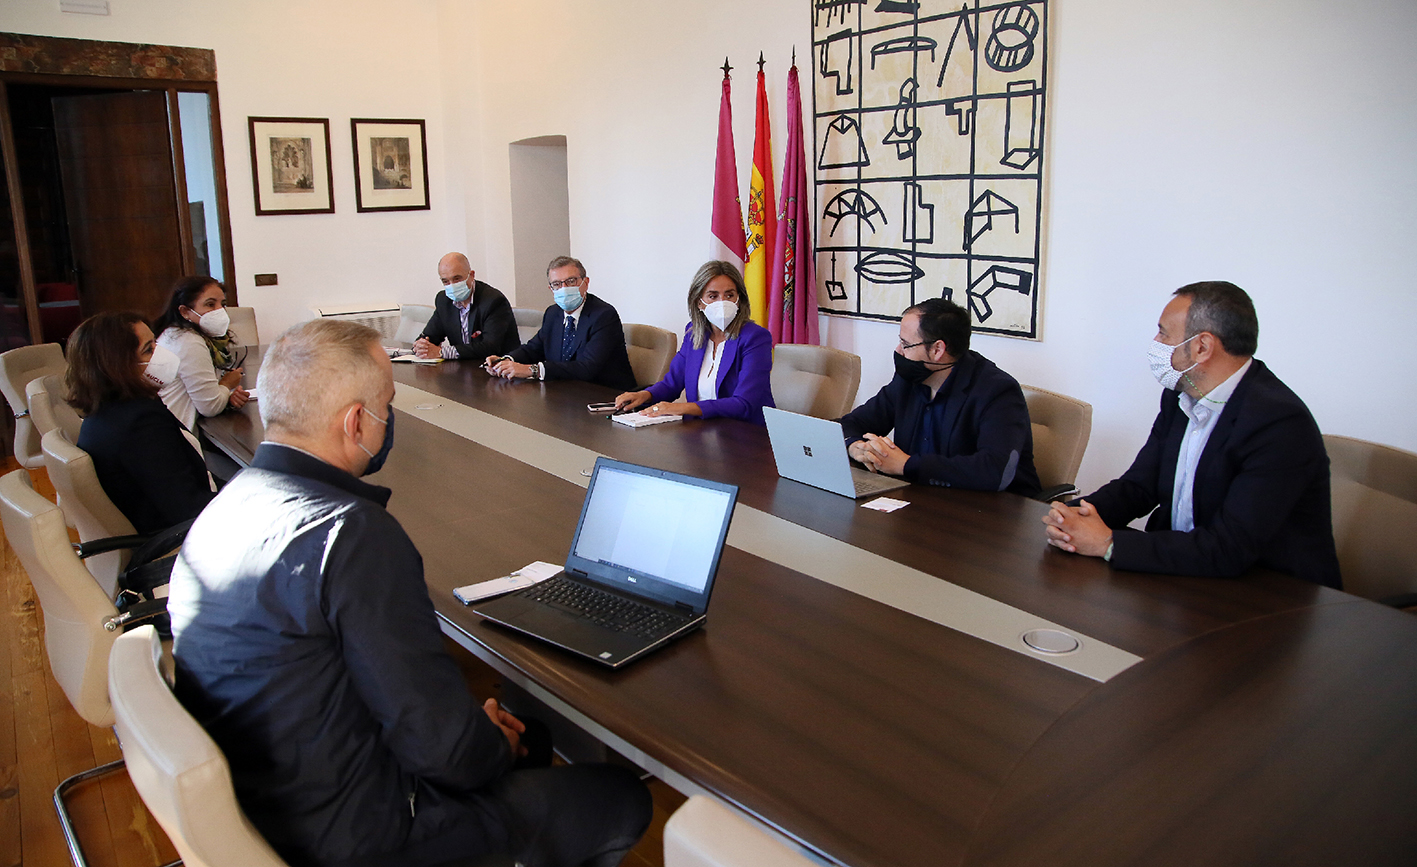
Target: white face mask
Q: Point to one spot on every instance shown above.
(215, 322)
(720, 313)
(162, 367)
(1159, 357)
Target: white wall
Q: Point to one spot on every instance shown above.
(1265, 143)
(540, 216)
(316, 58)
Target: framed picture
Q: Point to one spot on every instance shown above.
(291, 165)
(390, 164)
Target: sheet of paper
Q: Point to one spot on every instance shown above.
(414, 359)
(885, 504)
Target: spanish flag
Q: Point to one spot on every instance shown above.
(762, 216)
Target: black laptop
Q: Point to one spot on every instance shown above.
(641, 566)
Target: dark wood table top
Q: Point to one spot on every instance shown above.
(881, 738)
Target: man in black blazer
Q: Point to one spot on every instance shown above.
(470, 318)
(580, 337)
(1234, 473)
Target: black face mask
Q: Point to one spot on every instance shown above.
(376, 460)
(913, 371)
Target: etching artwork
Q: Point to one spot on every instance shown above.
(393, 168)
(291, 165)
(929, 148)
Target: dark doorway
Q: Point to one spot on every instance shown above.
(113, 186)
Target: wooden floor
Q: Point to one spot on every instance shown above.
(43, 741)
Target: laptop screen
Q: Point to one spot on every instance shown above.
(639, 523)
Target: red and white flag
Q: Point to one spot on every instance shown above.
(728, 241)
(792, 300)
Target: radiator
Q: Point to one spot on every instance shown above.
(383, 318)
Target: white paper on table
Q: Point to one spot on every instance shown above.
(524, 577)
(885, 504)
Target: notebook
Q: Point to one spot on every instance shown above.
(813, 451)
(641, 567)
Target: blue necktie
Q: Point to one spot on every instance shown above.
(568, 338)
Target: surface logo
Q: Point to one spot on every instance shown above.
(807, 450)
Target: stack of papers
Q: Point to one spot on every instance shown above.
(414, 359)
(639, 419)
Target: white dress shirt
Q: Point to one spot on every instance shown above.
(708, 373)
(1202, 414)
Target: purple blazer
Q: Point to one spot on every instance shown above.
(744, 375)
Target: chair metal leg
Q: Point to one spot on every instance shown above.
(76, 853)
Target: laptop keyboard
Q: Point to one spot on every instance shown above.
(605, 609)
(872, 482)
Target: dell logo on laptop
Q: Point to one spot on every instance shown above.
(807, 450)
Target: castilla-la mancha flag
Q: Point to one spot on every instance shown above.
(727, 240)
(762, 217)
(792, 299)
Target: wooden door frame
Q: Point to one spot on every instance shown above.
(83, 63)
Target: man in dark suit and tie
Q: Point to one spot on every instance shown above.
(470, 318)
(1234, 474)
(580, 337)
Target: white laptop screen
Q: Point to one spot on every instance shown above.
(653, 526)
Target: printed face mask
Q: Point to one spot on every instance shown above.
(162, 367)
(1159, 357)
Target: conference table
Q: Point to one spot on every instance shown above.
(933, 685)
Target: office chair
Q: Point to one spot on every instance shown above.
(49, 410)
(528, 322)
(80, 621)
(814, 380)
(1375, 519)
(17, 368)
(650, 350)
(179, 772)
(412, 318)
(243, 326)
(1061, 427)
(706, 833)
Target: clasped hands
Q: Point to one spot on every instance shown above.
(879, 454)
(1077, 529)
(505, 367)
(510, 725)
(232, 380)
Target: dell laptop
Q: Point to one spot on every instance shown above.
(641, 567)
(813, 451)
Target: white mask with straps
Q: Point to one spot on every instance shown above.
(162, 367)
(215, 322)
(1159, 357)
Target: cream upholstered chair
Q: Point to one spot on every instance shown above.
(1375, 518)
(1061, 427)
(243, 326)
(87, 506)
(528, 322)
(17, 368)
(705, 833)
(814, 380)
(178, 770)
(49, 410)
(80, 620)
(412, 318)
(650, 349)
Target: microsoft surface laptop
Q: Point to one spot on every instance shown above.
(813, 451)
(641, 567)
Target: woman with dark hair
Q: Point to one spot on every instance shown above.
(144, 460)
(725, 362)
(195, 327)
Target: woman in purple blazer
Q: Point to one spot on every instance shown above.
(725, 362)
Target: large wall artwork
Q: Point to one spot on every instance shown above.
(929, 154)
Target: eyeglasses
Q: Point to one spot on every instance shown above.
(903, 345)
(568, 283)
